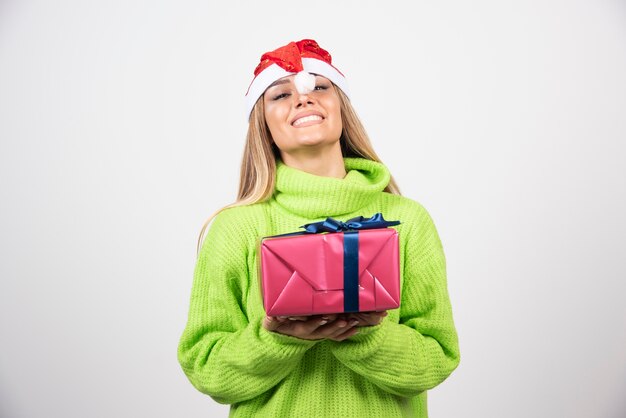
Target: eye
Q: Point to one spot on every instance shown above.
(280, 96)
(321, 87)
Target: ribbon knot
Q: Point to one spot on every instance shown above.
(354, 224)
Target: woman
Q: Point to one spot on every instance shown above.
(307, 158)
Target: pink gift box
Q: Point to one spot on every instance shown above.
(305, 274)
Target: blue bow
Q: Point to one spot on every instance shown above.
(358, 223)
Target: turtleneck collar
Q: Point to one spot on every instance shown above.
(313, 196)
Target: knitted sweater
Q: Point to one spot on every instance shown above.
(383, 371)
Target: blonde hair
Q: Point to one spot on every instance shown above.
(258, 166)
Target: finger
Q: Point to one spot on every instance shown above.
(376, 318)
(335, 328)
(299, 329)
(307, 329)
(299, 318)
(271, 323)
(376, 314)
(351, 324)
(316, 321)
(370, 318)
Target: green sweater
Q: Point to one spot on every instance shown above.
(384, 371)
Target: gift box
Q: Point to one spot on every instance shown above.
(332, 267)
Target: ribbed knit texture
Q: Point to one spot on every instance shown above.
(384, 371)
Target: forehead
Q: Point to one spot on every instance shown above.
(289, 79)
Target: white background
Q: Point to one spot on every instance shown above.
(122, 127)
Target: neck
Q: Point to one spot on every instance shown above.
(327, 162)
(311, 196)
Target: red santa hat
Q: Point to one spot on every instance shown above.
(302, 58)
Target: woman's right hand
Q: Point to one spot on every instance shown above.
(314, 327)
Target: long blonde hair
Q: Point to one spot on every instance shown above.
(258, 166)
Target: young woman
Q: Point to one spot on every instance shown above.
(307, 157)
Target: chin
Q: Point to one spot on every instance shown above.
(305, 142)
(317, 142)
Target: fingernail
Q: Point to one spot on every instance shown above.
(325, 318)
(353, 322)
(323, 322)
(342, 324)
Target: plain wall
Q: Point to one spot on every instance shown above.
(122, 126)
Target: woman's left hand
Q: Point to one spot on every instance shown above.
(365, 319)
(314, 327)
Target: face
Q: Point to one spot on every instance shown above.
(300, 121)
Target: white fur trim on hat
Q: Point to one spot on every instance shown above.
(272, 73)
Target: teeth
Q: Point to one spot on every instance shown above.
(306, 119)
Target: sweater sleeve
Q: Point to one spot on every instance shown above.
(421, 350)
(221, 352)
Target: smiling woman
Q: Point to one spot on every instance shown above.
(307, 158)
(303, 124)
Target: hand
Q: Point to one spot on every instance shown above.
(316, 327)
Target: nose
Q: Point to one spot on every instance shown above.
(303, 100)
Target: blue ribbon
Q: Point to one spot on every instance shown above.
(358, 223)
(351, 271)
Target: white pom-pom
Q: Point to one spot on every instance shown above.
(305, 82)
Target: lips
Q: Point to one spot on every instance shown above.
(306, 119)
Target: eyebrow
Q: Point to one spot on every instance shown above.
(284, 81)
(279, 81)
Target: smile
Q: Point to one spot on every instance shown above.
(310, 118)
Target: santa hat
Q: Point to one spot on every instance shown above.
(302, 58)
